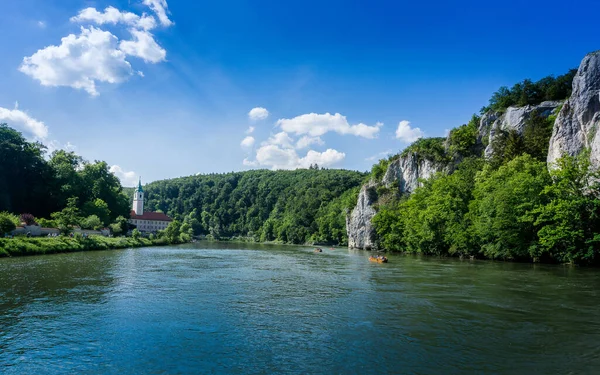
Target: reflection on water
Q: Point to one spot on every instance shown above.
(227, 308)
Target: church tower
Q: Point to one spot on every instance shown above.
(138, 199)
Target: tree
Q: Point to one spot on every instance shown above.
(7, 223)
(92, 222)
(136, 234)
(503, 201)
(68, 217)
(97, 208)
(173, 231)
(120, 226)
(186, 232)
(569, 224)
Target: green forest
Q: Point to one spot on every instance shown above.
(300, 206)
(509, 206)
(60, 189)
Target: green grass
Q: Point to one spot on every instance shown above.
(21, 246)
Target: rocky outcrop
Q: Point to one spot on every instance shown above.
(361, 234)
(405, 172)
(514, 118)
(576, 127)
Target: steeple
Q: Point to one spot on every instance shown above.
(139, 188)
(138, 199)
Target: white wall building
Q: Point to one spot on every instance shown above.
(146, 221)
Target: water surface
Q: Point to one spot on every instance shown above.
(251, 309)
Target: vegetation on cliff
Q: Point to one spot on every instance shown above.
(528, 92)
(508, 206)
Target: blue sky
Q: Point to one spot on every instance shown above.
(164, 88)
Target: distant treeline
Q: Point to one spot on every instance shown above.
(305, 205)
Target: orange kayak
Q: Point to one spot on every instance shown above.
(378, 259)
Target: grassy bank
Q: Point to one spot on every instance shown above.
(49, 245)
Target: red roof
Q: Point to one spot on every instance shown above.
(159, 216)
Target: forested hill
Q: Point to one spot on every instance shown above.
(305, 205)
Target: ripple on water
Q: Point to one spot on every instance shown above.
(222, 308)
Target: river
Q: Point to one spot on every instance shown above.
(257, 309)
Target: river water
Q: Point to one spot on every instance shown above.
(251, 309)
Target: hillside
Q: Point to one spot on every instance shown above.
(306, 205)
(517, 182)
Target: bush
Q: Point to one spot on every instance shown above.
(8, 222)
(28, 219)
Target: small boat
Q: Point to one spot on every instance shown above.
(378, 259)
(318, 250)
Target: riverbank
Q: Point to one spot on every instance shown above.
(22, 246)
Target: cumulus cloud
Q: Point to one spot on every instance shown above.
(247, 142)
(250, 130)
(23, 121)
(276, 157)
(316, 125)
(94, 55)
(112, 15)
(258, 113)
(79, 61)
(160, 8)
(306, 141)
(143, 46)
(41, 24)
(128, 178)
(280, 139)
(407, 134)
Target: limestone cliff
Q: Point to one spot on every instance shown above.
(576, 127)
(403, 173)
(360, 231)
(514, 118)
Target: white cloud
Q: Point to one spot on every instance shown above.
(127, 178)
(306, 141)
(249, 163)
(280, 139)
(316, 125)
(54, 145)
(258, 113)
(20, 119)
(112, 15)
(159, 7)
(379, 156)
(41, 24)
(144, 46)
(407, 134)
(276, 157)
(250, 130)
(248, 142)
(79, 61)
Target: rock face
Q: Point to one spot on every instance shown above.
(405, 172)
(513, 119)
(361, 234)
(576, 127)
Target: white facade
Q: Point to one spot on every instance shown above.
(149, 225)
